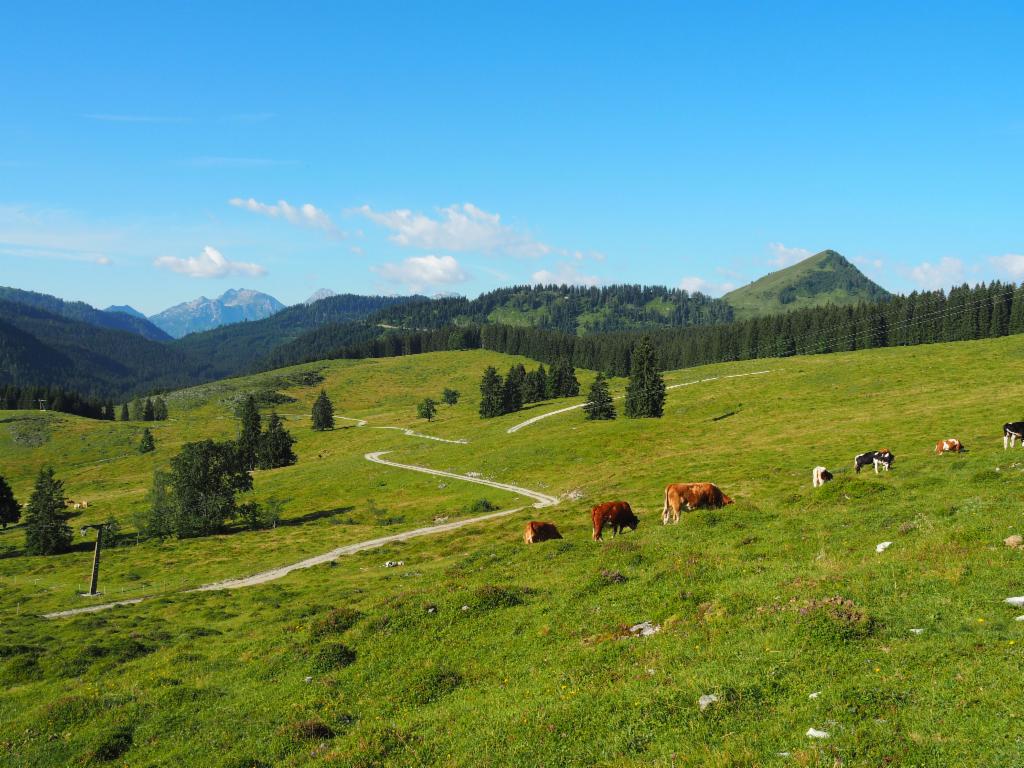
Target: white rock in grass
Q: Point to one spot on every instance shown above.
(706, 701)
(1019, 618)
(1016, 602)
(644, 629)
(916, 631)
(883, 546)
(814, 733)
(814, 695)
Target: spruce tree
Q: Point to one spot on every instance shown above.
(275, 445)
(159, 519)
(450, 396)
(160, 409)
(136, 409)
(249, 437)
(10, 510)
(542, 382)
(512, 390)
(148, 413)
(109, 414)
(427, 409)
(46, 528)
(147, 444)
(323, 412)
(124, 412)
(645, 395)
(599, 401)
(490, 394)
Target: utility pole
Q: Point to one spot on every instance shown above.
(95, 557)
(42, 404)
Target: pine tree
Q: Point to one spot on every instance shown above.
(136, 409)
(275, 445)
(147, 444)
(204, 479)
(427, 409)
(148, 413)
(323, 412)
(599, 401)
(450, 396)
(563, 381)
(46, 528)
(109, 414)
(542, 382)
(490, 394)
(124, 412)
(512, 390)
(645, 395)
(249, 438)
(10, 510)
(159, 519)
(160, 409)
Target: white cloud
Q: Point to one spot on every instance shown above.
(566, 274)
(210, 263)
(419, 272)
(457, 228)
(1010, 263)
(103, 261)
(695, 284)
(785, 256)
(930, 276)
(306, 215)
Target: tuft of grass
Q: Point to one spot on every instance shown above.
(331, 656)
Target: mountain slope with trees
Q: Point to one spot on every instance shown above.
(113, 319)
(825, 278)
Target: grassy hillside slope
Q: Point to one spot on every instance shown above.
(825, 278)
(482, 651)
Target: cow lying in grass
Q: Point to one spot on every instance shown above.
(691, 496)
(617, 514)
(952, 445)
(882, 458)
(1011, 431)
(537, 531)
(820, 476)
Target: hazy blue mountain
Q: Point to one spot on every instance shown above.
(203, 314)
(79, 310)
(126, 309)
(323, 293)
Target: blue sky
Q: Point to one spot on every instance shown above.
(150, 155)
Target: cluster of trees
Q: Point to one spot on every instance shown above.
(259, 448)
(14, 398)
(500, 396)
(645, 394)
(149, 410)
(427, 408)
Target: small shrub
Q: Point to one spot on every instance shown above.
(838, 618)
(69, 710)
(491, 596)
(479, 507)
(331, 656)
(21, 669)
(333, 622)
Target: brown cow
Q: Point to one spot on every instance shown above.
(537, 531)
(952, 445)
(617, 514)
(691, 496)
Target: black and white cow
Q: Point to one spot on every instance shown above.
(1011, 431)
(820, 476)
(882, 458)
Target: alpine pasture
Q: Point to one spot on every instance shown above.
(482, 651)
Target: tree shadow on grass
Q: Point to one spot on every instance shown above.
(310, 517)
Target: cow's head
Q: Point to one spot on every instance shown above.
(726, 500)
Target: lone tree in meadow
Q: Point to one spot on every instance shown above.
(275, 446)
(427, 409)
(10, 510)
(204, 479)
(450, 396)
(323, 412)
(124, 412)
(147, 444)
(599, 402)
(645, 395)
(46, 529)
(160, 409)
(490, 394)
(249, 438)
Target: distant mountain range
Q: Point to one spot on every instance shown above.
(45, 341)
(202, 314)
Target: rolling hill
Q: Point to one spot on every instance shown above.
(825, 278)
(478, 649)
(82, 312)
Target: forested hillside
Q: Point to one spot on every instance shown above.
(79, 310)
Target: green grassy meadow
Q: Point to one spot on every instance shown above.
(481, 651)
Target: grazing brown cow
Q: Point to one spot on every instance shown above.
(537, 531)
(617, 514)
(691, 496)
(952, 445)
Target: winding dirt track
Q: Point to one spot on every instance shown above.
(543, 500)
